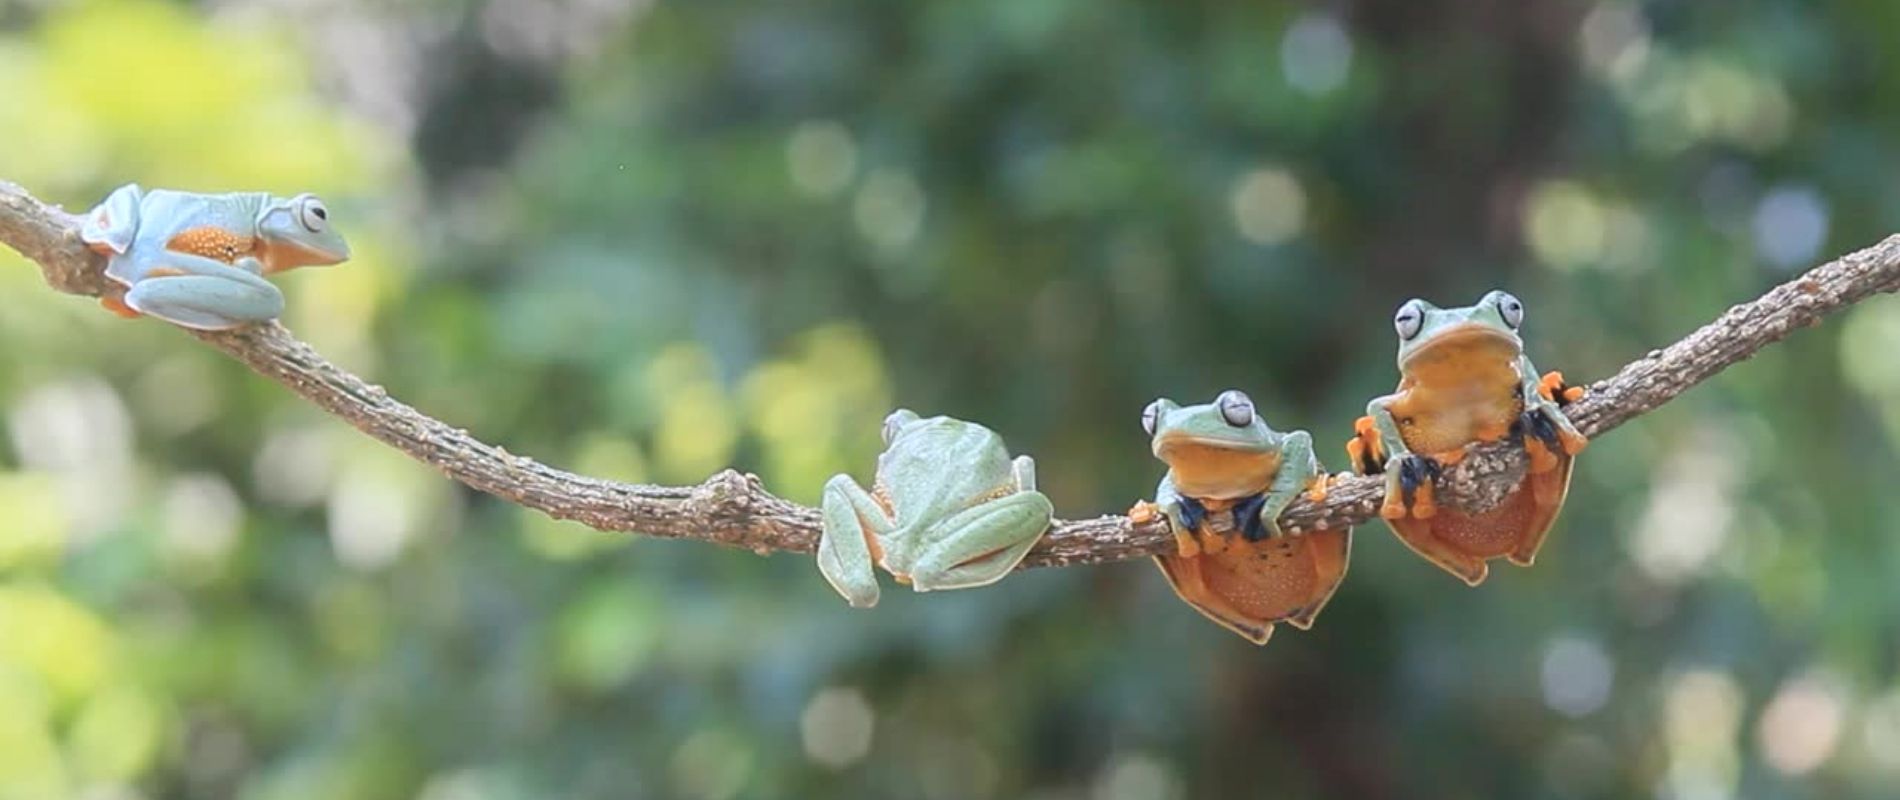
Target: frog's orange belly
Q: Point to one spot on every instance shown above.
(1249, 586)
(1268, 580)
(1488, 535)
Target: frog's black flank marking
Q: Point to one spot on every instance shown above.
(1247, 518)
(1415, 470)
(1192, 513)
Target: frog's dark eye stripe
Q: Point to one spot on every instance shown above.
(1235, 407)
(1410, 319)
(1149, 416)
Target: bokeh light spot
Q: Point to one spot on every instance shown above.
(1316, 54)
(889, 209)
(116, 735)
(1790, 225)
(1269, 206)
(1691, 507)
(1136, 776)
(1614, 37)
(696, 431)
(1702, 713)
(1801, 726)
(712, 765)
(837, 726)
(1880, 731)
(1577, 676)
(1564, 224)
(822, 157)
(202, 517)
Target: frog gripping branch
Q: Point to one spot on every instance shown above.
(1465, 381)
(736, 510)
(1229, 478)
(949, 510)
(198, 260)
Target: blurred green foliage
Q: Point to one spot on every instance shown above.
(650, 240)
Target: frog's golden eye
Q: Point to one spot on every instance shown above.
(312, 214)
(1511, 310)
(1410, 319)
(1235, 407)
(1150, 416)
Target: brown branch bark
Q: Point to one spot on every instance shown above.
(735, 509)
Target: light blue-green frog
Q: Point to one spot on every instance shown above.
(1229, 477)
(1464, 380)
(198, 260)
(949, 510)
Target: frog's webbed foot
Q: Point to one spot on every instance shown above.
(1365, 451)
(1554, 389)
(1548, 437)
(115, 303)
(1411, 486)
(1553, 394)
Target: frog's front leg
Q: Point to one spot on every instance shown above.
(847, 547)
(1184, 517)
(1546, 429)
(1411, 479)
(979, 545)
(205, 294)
(1298, 468)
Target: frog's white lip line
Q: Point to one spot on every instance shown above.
(1461, 332)
(1179, 439)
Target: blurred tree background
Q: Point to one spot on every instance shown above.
(649, 240)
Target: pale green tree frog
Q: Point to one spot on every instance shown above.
(198, 260)
(1229, 477)
(949, 510)
(1464, 379)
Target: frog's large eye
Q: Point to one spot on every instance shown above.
(1235, 407)
(891, 425)
(312, 214)
(1410, 319)
(1150, 416)
(1511, 309)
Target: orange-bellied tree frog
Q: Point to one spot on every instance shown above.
(198, 260)
(1228, 473)
(949, 510)
(1464, 379)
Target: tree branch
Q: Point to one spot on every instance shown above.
(736, 510)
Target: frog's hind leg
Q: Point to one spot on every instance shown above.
(984, 543)
(1547, 492)
(1189, 581)
(1420, 535)
(1331, 553)
(847, 548)
(204, 294)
